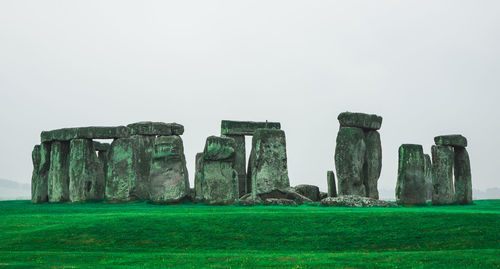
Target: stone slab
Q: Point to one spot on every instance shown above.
(360, 120)
(155, 128)
(442, 175)
(246, 127)
(98, 146)
(309, 191)
(240, 162)
(463, 177)
(58, 181)
(39, 179)
(67, 134)
(451, 140)
(219, 148)
(86, 176)
(332, 187)
(373, 163)
(410, 185)
(350, 153)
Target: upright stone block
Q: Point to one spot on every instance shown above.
(198, 176)
(58, 180)
(349, 161)
(428, 177)
(330, 180)
(86, 178)
(360, 120)
(168, 175)
(463, 177)
(373, 163)
(267, 168)
(410, 186)
(39, 179)
(240, 162)
(442, 175)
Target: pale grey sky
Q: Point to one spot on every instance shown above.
(428, 67)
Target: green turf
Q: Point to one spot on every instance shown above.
(198, 236)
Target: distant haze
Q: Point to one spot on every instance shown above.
(428, 67)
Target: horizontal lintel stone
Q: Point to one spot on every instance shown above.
(156, 128)
(100, 132)
(451, 140)
(360, 120)
(246, 127)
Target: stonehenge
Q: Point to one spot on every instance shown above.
(330, 180)
(410, 186)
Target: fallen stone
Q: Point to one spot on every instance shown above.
(360, 120)
(246, 127)
(155, 128)
(355, 201)
(322, 195)
(240, 162)
(309, 191)
(451, 140)
(349, 161)
(286, 193)
(58, 178)
(248, 200)
(442, 175)
(463, 178)
(332, 187)
(39, 180)
(410, 186)
(219, 148)
(428, 177)
(86, 178)
(279, 201)
(67, 134)
(373, 163)
(98, 146)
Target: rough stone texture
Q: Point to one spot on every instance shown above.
(246, 127)
(220, 182)
(198, 176)
(442, 175)
(86, 178)
(309, 191)
(219, 149)
(168, 175)
(240, 162)
(128, 168)
(267, 168)
(428, 177)
(349, 161)
(373, 163)
(279, 201)
(67, 134)
(155, 128)
(360, 120)
(451, 140)
(355, 201)
(58, 179)
(463, 177)
(322, 195)
(287, 193)
(98, 146)
(410, 186)
(332, 187)
(39, 179)
(102, 156)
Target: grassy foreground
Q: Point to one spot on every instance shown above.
(196, 236)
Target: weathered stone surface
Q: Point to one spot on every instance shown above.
(267, 168)
(155, 128)
(355, 201)
(332, 187)
(246, 127)
(373, 163)
(349, 161)
(240, 162)
(451, 140)
(198, 176)
(128, 168)
(410, 186)
(39, 179)
(98, 146)
(220, 183)
(58, 180)
(463, 177)
(442, 175)
(322, 195)
(86, 178)
(67, 134)
(279, 201)
(168, 174)
(102, 156)
(428, 177)
(360, 120)
(219, 148)
(309, 191)
(286, 193)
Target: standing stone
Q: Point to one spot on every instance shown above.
(86, 178)
(410, 187)
(58, 180)
(240, 162)
(267, 168)
(463, 178)
(198, 176)
(428, 177)
(373, 163)
(442, 175)
(349, 161)
(330, 180)
(168, 174)
(309, 191)
(39, 179)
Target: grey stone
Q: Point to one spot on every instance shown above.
(67, 134)
(219, 148)
(98, 146)
(240, 162)
(322, 195)
(279, 201)
(86, 178)
(442, 175)
(219, 183)
(285, 193)
(309, 191)
(451, 140)
(332, 187)
(155, 128)
(463, 177)
(410, 186)
(355, 201)
(39, 180)
(373, 163)
(198, 176)
(428, 177)
(360, 120)
(58, 179)
(246, 127)
(349, 161)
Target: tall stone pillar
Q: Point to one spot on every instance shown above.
(39, 179)
(58, 180)
(349, 161)
(373, 163)
(198, 176)
(442, 175)
(463, 178)
(428, 177)
(86, 178)
(240, 162)
(410, 186)
(330, 180)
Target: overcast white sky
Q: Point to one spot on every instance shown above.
(428, 67)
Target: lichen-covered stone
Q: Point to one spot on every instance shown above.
(220, 183)
(373, 163)
(67, 134)
(198, 176)
(355, 201)
(309, 191)
(285, 193)
(86, 178)
(267, 168)
(451, 140)
(58, 180)
(332, 187)
(410, 186)
(39, 180)
(155, 128)
(219, 148)
(322, 195)
(98, 146)
(240, 162)
(360, 120)
(428, 177)
(349, 161)
(442, 175)
(246, 127)
(463, 177)
(168, 175)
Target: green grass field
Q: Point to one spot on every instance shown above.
(197, 236)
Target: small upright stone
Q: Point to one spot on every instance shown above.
(86, 178)
(349, 161)
(373, 163)
(410, 186)
(360, 120)
(428, 177)
(330, 180)
(198, 176)
(463, 178)
(442, 175)
(58, 180)
(451, 140)
(39, 179)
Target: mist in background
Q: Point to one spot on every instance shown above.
(428, 67)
